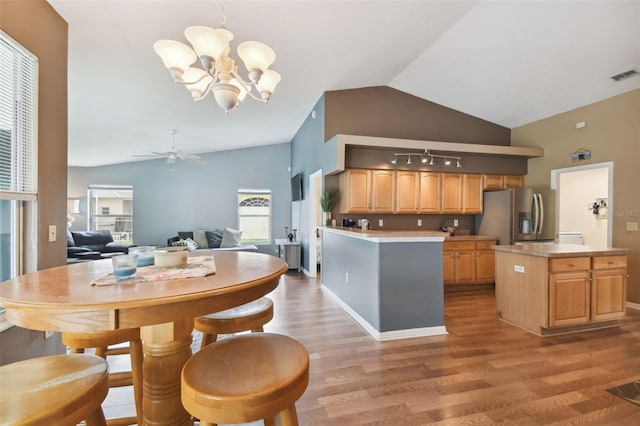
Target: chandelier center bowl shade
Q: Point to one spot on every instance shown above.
(218, 72)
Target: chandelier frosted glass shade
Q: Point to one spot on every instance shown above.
(219, 72)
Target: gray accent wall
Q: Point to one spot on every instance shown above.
(393, 286)
(193, 196)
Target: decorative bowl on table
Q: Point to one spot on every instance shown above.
(170, 257)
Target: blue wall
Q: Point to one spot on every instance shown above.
(309, 153)
(191, 195)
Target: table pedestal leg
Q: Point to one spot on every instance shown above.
(166, 348)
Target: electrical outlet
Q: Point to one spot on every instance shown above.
(52, 233)
(346, 277)
(632, 226)
(380, 222)
(419, 222)
(455, 222)
(518, 268)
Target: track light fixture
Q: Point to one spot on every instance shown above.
(427, 156)
(446, 159)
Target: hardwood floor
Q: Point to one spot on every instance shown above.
(483, 372)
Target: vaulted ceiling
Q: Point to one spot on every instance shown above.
(508, 62)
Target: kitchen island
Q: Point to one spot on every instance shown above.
(390, 282)
(559, 288)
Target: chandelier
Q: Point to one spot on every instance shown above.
(219, 72)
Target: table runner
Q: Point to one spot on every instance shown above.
(199, 266)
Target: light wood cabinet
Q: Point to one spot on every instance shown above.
(383, 190)
(513, 181)
(496, 182)
(355, 188)
(561, 292)
(471, 193)
(608, 287)
(458, 265)
(410, 192)
(569, 291)
(451, 193)
(407, 192)
(485, 262)
(430, 192)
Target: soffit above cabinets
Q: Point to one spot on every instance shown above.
(342, 141)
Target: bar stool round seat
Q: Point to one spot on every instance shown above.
(102, 342)
(54, 390)
(246, 378)
(250, 316)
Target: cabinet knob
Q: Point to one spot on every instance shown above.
(571, 265)
(612, 262)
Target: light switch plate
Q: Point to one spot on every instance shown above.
(380, 222)
(632, 226)
(518, 268)
(52, 233)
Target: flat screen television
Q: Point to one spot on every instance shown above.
(296, 187)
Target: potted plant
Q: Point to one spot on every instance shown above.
(327, 201)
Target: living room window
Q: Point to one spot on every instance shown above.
(111, 208)
(254, 215)
(18, 169)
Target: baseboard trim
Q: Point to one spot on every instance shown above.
(386, 335)
(635, 306)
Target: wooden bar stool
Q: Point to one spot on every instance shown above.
(101, 341)
(246, 378)
(250, 316)
(54, 390)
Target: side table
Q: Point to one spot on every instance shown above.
(289, 251)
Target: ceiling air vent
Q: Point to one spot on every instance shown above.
(631, 73)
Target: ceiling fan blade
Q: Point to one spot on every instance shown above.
(148, 155)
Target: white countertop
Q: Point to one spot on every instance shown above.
(379, 236)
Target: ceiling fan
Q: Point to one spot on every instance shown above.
(172, 154)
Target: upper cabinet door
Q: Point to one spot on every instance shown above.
(407, 192)
(451, 193)
(471, 193)
(513, 181)
(383, 191)
(430, 192)
(355, 186)
(493, 182)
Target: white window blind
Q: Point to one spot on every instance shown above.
(18, 120)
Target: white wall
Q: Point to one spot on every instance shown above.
(577, 191)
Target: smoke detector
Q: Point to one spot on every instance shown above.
(624, 75)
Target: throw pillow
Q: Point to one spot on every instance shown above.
(179, 243)
(231, 238)
(191, 245)
(214, 238)
(200, 238)
(185, 234)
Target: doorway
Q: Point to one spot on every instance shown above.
(584, 199)
(315, 225)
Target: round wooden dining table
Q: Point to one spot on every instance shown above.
(63, 299)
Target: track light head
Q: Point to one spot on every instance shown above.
(447, 162)
(458, 163)
(408, 159)
(431, 161)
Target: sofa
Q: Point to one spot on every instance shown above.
(89, 245)
(211, 239)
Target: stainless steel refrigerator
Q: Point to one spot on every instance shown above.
(518, 215)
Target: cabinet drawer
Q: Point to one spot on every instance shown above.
(459, 245)
(485, 244)
(570, 264)
(609, 262)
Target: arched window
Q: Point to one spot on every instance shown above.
(254, 215)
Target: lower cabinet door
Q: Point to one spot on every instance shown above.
(569, 296)
(608, 294)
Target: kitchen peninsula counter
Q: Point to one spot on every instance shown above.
(557, 288)
(390, 282)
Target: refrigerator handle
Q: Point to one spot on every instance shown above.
(534, 213)
(541, 213)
